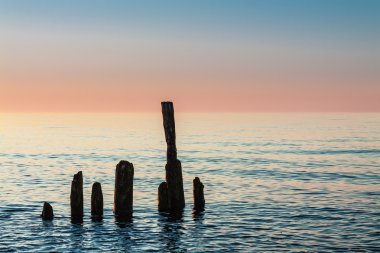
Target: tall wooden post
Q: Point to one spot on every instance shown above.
(47, 212)
(169, 127)
(199, 199)
(97, 202)
(76, 198)
(123, 198)
(176, 197)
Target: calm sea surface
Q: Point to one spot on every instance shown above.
(273, 182)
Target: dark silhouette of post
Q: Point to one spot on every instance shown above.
(176, 197)
(169, 127)
(97, 202)
(47, 212)
(199, 199)
(76, 198)
(123, 198)
(163, 200)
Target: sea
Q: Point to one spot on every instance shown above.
(273, 182)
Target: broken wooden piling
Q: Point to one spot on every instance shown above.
(123, 198)
(76, 198)
(47, 212)
(163, 200)
(199, 199)
(174, 180)
(96, 202)
(176, 197)
(169, 127)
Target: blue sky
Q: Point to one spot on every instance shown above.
(293, 45)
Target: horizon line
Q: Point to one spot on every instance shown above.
(156, 111)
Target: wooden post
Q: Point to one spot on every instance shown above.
(199, 199)
(176, 197)
(47, 212)
(97, 202)
(76, 198)
(123, 198)
(163, 204)
(169, 127)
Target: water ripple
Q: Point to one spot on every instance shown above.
(272, 183)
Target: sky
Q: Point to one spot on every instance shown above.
(204, 55)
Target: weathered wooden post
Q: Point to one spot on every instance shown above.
(123, 198)
(76, 198)
(199, 199)
(47, 212)
(169, 127)
(176, 197)
(97, 202)
(163, 200)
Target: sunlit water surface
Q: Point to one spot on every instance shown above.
(281, 182)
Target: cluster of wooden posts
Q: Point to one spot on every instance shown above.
(171, 198)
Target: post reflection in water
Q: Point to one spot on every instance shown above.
(123, 219)
(48, 223)
(77, 220)
(197, 233)
(124, 223)
(77, 232)
(171, 225)
(95, 234)
(124, 231)
(198, 217)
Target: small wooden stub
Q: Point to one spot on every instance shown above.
(199, 199)
(163, 199)
(47, 212)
